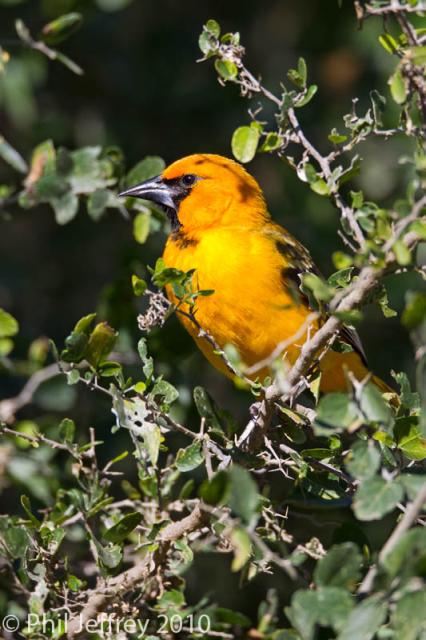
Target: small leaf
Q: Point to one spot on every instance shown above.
(61, 28)
(336, 138)
(244, 143)
(149, 167)
(226, 69)
(8, 325)
(335, 411)
(139, 286)
(96, 203)
(374, 407)
(65, 207)
(363, 460)
(311, 91)
(340, 567)
(101, 342)
(398, 88)
(414, 313)
(409, 616)
(375, 497)
(123, 527)
(409, 438)
(141, 226)
(67, 430)
(402, 253)
(216, 490)
(244, 497)
(190, 458)
(364, 621)
(327, 607)
(242, 546)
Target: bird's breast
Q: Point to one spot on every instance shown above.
(251, 307)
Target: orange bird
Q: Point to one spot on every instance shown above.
(221, 227)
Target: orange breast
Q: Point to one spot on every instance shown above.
(251, 307)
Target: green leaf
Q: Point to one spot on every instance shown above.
(190, 458)
(335, 411)
(6, 347)
(298, 76)
(388, 43)
(272, 142)
(141, 226)
(139, 286)
(208, 40)
(363, 460)
(413, 483)
(340, 567)
(67, 430)
(397, 87)
(26, 504)
(408, 556)
(123, 527)
(364, 620)
(84, 325)
(152, 438)
(402, 253)
(101, 342)
(217, 489)
(383, 300)
(110, 557)
(375, 497)
(213, 27)
(321, 290)
(336, 138)
(61, 28)
(244, 497)
(320, 187)
(149, 167)
(17, 541)
(166, 390)
(8, 325)
(311, 91)
(414, 313)
(226, 69)
(65, 207)
(242, 546)
(409, 616)
(12, 157)
(206, 408)
(74, 583)
(374, 407)
(109, 369)
(409, 398)
(147, 361)
(244, 143)
(409, 438)
(97, 203)
(327, 607)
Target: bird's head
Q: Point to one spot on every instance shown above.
(204, 190)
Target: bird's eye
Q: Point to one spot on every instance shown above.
(189, 179)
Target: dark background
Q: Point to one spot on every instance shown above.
(143, 91)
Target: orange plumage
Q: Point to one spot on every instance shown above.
(221, 228)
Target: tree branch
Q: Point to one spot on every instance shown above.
(125, 582)
(402, 527)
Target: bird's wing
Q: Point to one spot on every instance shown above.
(297, 261)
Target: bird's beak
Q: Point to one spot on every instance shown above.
(154, 189)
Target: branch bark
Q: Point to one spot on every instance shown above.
(131, 579)
(402, 527)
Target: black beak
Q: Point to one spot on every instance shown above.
(154, 189)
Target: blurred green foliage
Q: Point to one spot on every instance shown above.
(116, 435)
